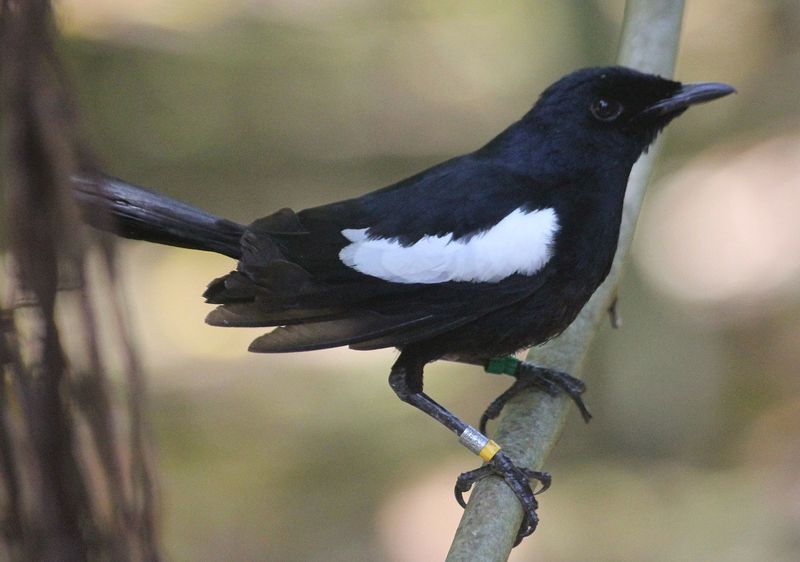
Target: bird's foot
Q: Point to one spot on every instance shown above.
(532, 376)
(518, 479)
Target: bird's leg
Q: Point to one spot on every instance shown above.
(406, 381)
(529, 375)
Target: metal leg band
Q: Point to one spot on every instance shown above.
(478, 443)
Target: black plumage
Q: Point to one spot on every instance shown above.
(557, 156)
(435, 264)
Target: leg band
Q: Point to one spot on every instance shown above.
(507, 365)
(478, 443)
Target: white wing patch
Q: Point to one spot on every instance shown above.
(520, 243)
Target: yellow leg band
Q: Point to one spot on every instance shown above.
(489, 450)
(478, 443)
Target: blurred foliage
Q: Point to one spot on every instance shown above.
(693, 453)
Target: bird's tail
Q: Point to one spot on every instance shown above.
(135, 212)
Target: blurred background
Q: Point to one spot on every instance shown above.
(246, 106)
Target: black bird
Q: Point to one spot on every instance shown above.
(470, 260)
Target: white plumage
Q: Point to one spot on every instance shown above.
(520, 243)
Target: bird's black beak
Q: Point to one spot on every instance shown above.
(689, 94)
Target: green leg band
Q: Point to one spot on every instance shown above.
(507, 365)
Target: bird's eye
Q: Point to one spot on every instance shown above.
(606, 109)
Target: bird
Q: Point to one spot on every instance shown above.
(470, 260)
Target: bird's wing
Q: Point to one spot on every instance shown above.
(401, 264)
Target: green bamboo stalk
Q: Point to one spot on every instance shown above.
(532, 422)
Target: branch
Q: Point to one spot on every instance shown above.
(532, 422)
(74, 485)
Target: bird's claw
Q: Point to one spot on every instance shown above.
(493, 410)
(547, 380)
(518, 479)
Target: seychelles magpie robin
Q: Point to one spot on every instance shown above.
(470, 260)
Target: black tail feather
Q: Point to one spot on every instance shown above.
(135, 212)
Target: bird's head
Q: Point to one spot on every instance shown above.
(612, 113)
